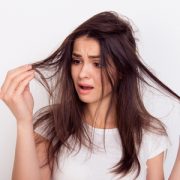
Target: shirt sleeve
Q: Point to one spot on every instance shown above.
(42, 130)
(157, 144)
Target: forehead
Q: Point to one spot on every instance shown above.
(85, 45)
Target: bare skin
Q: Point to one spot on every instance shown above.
(175, 174)
(15, 93)
(86, 69)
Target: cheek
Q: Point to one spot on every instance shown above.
(97, 80)
(107, 85)
(73, 73)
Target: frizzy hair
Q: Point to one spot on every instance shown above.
(63, 116)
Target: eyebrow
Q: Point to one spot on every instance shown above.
(91, 56)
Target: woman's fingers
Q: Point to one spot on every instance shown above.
(16, 94)
(12, 74)
(24, 85)
(16, 82)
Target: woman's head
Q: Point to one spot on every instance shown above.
(110, 38)
(115, 72)
(86, 70)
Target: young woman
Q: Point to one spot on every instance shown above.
(175, 174)
(96, 125)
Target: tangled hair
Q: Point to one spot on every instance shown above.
(64, 115)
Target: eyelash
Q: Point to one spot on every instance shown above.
(77, 61)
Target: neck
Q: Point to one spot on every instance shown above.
(96, 117)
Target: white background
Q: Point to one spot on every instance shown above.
(31, 30)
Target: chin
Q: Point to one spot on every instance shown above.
(88, 100)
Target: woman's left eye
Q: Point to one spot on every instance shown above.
(98, 65)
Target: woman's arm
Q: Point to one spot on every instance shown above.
(155, 168)
(42, 149)
(175, 174)
(28, 157)
(16, 94)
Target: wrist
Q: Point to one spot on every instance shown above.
(25, 123)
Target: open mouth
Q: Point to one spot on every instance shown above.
(86, 87)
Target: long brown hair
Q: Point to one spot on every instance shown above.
(63, 116)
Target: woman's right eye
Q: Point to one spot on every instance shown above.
(76, 61)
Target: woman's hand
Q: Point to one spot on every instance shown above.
(16, 94)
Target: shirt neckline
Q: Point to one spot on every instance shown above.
(101, 130)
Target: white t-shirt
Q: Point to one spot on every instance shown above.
(86, 165)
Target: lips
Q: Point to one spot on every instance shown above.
(84, 88)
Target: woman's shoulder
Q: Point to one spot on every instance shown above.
(154, 143)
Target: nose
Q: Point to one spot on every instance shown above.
(85, 71)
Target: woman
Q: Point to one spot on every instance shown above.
(96, 125)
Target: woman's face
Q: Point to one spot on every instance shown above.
(86, 70)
